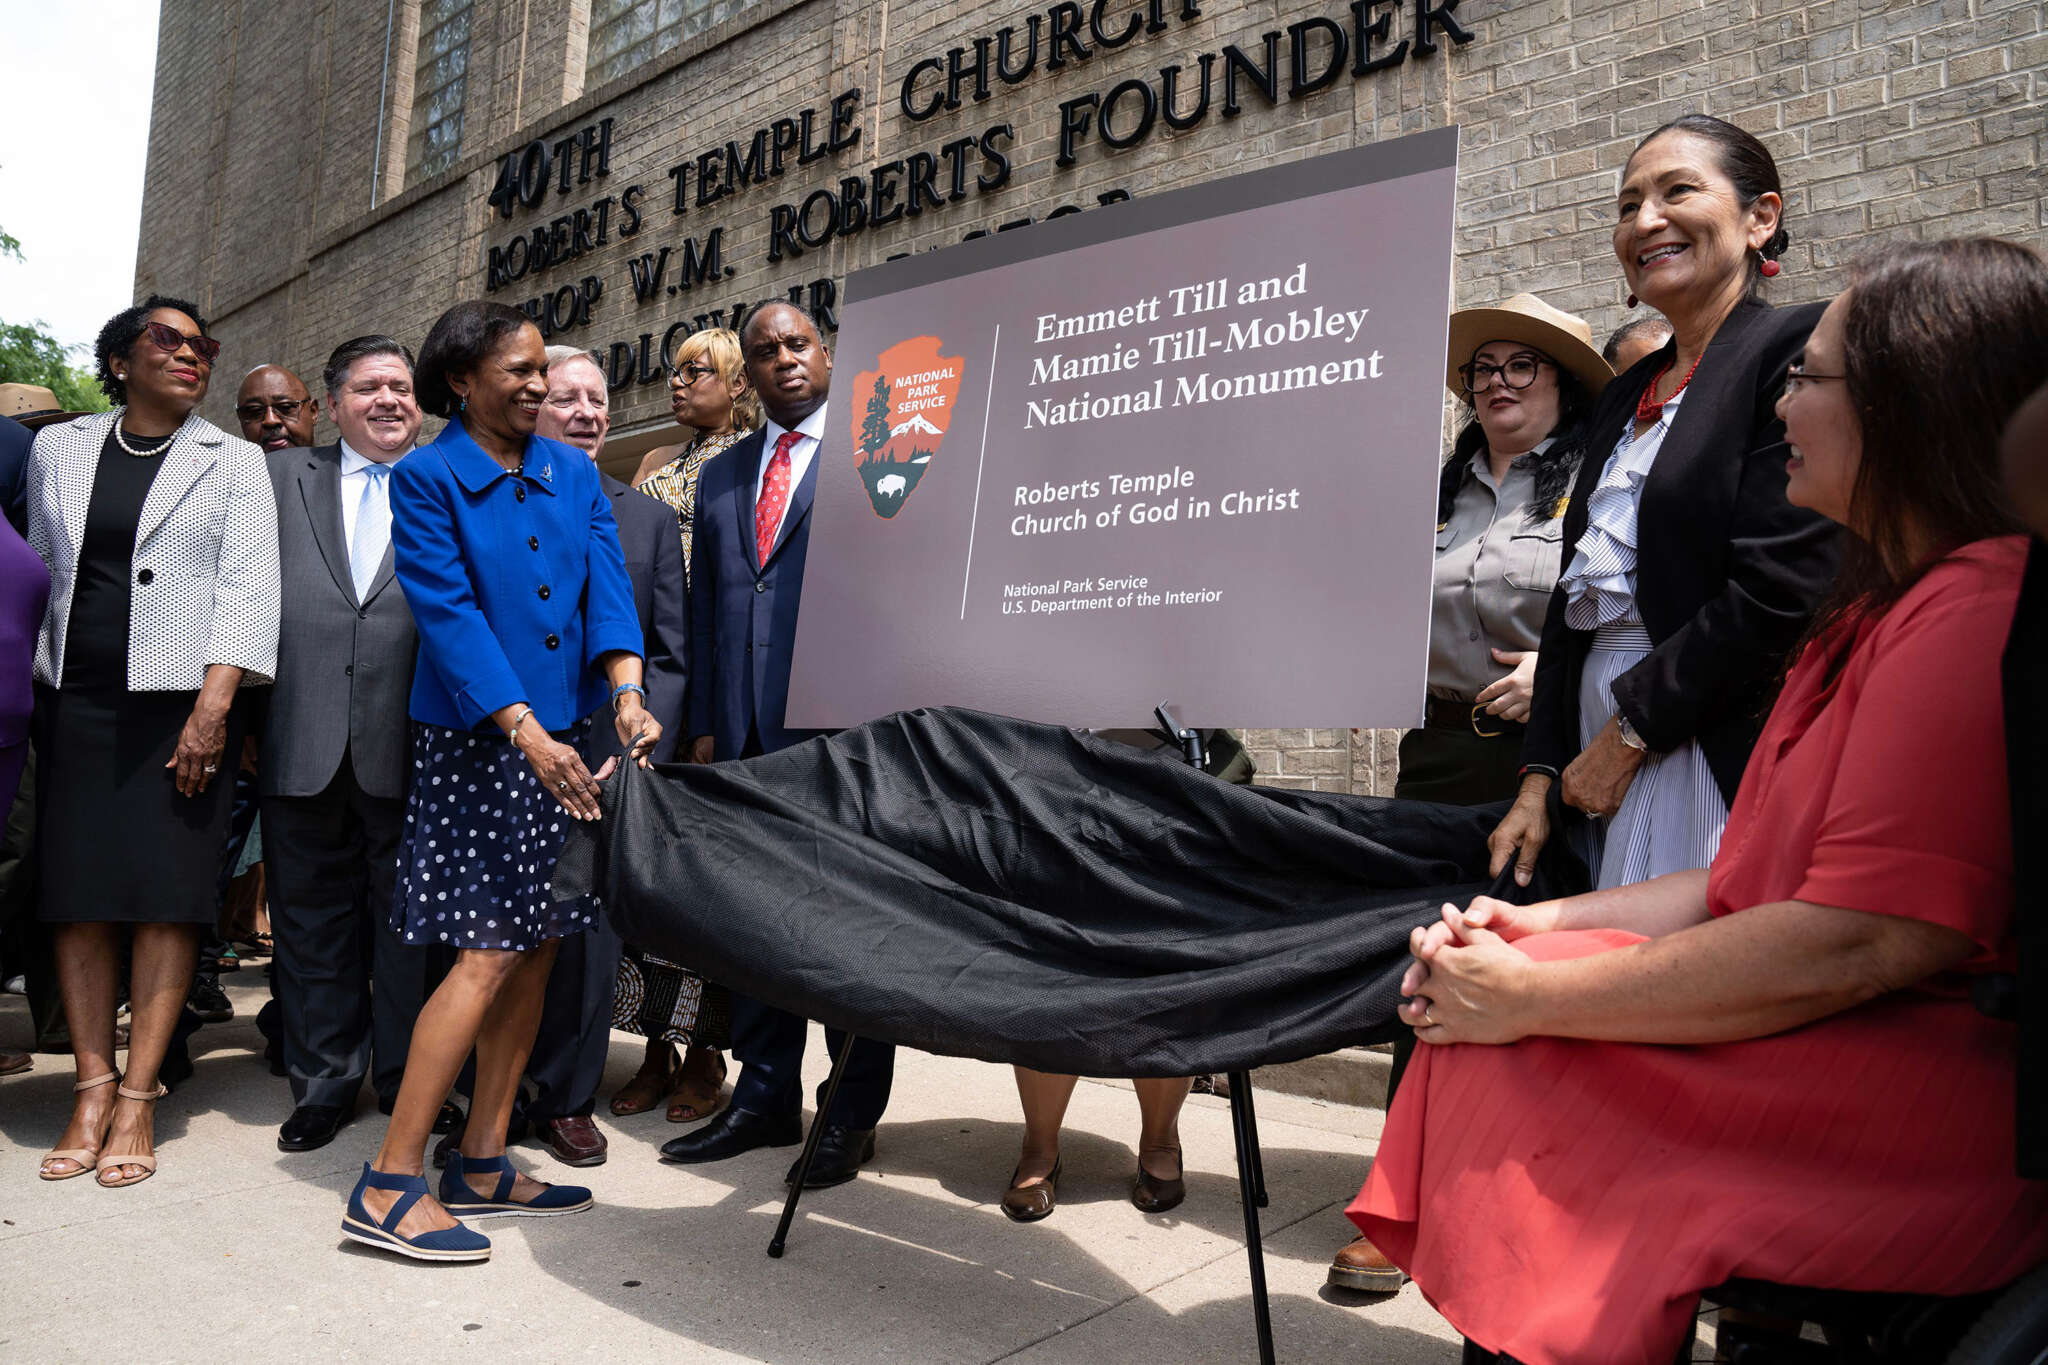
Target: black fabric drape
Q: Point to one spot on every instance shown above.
(978, 886)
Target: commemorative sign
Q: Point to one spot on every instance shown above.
(1181, 449)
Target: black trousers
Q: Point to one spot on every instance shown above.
(575, 1034)
(770, 1046)
(332, 862)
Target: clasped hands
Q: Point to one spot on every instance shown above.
(1466, 985)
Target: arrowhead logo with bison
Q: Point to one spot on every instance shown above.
(902, 409)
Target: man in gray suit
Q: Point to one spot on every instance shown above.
(338, 751)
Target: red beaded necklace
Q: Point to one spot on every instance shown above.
(1648, 409)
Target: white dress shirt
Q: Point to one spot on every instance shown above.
(812, 431)
(354, 482)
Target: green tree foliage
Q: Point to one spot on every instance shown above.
(874, 430)
(30, 355)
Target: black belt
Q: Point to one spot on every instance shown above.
(1451, 713)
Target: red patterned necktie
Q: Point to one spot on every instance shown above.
(774, 497)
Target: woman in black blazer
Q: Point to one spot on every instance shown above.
(1688, 576)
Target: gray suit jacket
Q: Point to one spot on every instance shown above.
(344, 668)
(653, 546)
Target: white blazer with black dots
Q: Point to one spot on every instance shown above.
(204, 582)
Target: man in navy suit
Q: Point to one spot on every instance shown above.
(747, 571)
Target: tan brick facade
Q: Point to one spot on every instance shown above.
(1889, 118)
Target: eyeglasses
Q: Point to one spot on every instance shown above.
(286, 408)
(169, 339)
(1798, 377)
(690, 372)
(1518, 373)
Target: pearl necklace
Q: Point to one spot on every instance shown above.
(162, 443)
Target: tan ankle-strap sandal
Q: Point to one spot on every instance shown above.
(81, 1158)
(114, 1163)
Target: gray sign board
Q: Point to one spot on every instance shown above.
(1180, 449)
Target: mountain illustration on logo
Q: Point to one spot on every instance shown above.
(902, 409)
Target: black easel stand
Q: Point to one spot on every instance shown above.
(1244, 1123)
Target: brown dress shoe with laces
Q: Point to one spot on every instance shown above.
(1363, 1266)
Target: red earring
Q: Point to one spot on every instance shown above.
(1633, 300)
(1769, 269)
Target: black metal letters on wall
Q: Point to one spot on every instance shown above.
(1309, 56)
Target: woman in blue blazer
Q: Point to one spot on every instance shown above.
(505, 546)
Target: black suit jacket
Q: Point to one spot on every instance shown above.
(15, 440)
(653, 546)
(1728, 573)
(344, 667)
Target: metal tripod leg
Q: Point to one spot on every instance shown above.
(1241, 1083)
(803, 1163)
(1251, 1189)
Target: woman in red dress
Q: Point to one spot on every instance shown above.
(1771, 1069)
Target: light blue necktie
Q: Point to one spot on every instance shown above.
(373, 529)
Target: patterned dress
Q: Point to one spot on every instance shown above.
(657, 998)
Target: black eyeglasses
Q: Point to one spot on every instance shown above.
(690, 372)
(1798, 376)
(286, 408)
(169, 339)
(1518, 373)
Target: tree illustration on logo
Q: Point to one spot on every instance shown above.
(897, 432)
(874, 432)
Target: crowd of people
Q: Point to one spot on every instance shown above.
(1696, 595)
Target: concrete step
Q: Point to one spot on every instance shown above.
(1355, 1076)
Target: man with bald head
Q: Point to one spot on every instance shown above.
(753, 534)
(275, 409)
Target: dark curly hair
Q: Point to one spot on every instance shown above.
(1750, 168)
(457, 343)
(124, 329)
(1554, 468)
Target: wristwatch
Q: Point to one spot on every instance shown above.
(1629, 735)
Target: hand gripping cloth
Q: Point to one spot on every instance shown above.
(983, 887)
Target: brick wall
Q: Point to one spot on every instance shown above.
(1890, 118)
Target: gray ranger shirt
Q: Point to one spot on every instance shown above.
(1497, 562)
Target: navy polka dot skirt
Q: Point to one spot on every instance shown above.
(481, 839)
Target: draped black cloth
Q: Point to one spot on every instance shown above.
(984, 887)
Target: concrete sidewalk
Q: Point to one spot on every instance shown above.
(232, 1252)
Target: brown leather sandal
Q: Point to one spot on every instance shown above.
(681, 1110)
(634, 1097)
(81, 1158)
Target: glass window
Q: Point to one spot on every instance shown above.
(441, 69)
(625, 34)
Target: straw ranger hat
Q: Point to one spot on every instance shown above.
(32, 405)
(1562, 336)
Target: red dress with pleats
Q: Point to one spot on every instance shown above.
(1565, 1201)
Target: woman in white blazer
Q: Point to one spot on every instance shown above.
(160, 532)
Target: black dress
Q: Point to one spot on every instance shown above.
(115, 840)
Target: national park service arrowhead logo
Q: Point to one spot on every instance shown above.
(902, 410)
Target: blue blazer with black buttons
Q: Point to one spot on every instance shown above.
(516, 582)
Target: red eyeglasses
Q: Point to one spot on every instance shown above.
(169, 339)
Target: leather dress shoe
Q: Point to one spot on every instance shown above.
(733, 1132)
(574, 1141)
(1029, 1203)
(311, 1126)
(840, 1152)
(1153, 1194)
(1363, 1266)
(449, 1120)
